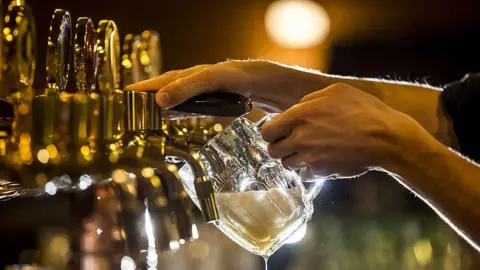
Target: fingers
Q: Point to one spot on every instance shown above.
(161, 81)
(182, 89)
(283, 148)
(326, 92)
(296, 161)
(178, 86)
(312, 96)
(313, 165)
(281, 125)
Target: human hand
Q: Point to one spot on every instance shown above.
(339, 132)
(272, 87)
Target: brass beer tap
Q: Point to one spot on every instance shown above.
(89, 177)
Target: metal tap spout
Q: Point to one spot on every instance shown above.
(144, 116)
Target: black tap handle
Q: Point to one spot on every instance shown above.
(219, 104)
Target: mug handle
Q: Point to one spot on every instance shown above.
(265, 119)
(314, 189)
(317, 185)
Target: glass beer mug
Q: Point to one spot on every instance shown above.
(261, 204)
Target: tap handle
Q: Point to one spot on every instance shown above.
(108, 48)
(85, 55)
(18, 54)
(219, 104)
(59, 51)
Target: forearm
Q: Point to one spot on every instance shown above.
(449, 183)
(421, 102)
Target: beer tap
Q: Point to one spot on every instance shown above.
(85, 55)
(30, 218)
(18, 58)
(149, 125)
(141, 117)
(142, 184)
(51, 110)
(74, 108)
(18, 55)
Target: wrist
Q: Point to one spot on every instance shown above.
(413, 148)
(281, 85)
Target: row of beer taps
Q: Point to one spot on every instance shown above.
(94, 166)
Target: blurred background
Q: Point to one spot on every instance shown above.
(366, 223)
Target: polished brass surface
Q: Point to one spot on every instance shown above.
(85, 55)
(90, 169)
(59, 51)
(108, 48)
(144, 118)
(18, 55)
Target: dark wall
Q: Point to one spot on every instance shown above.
(436, 59)
(192, 32)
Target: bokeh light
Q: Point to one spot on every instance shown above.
(297, 24)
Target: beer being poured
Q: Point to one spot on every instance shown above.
(260, 221)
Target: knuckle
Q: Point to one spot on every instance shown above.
(169, 73)
(311, 96)
(340, 88)
(306, 98)
(295, 113)
(178, 85)
(299, 136)
(209, 75)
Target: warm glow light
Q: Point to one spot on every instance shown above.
(147, 172)
(217, 127)
(52, 151)
(423, 252)
(43, 156)
(119, 176)
(297, 24)
(155, 181)
(298, 235)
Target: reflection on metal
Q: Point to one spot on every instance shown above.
(85, 55)
(59, 52)
(108, 53)
(18, 55)
(87, 169)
